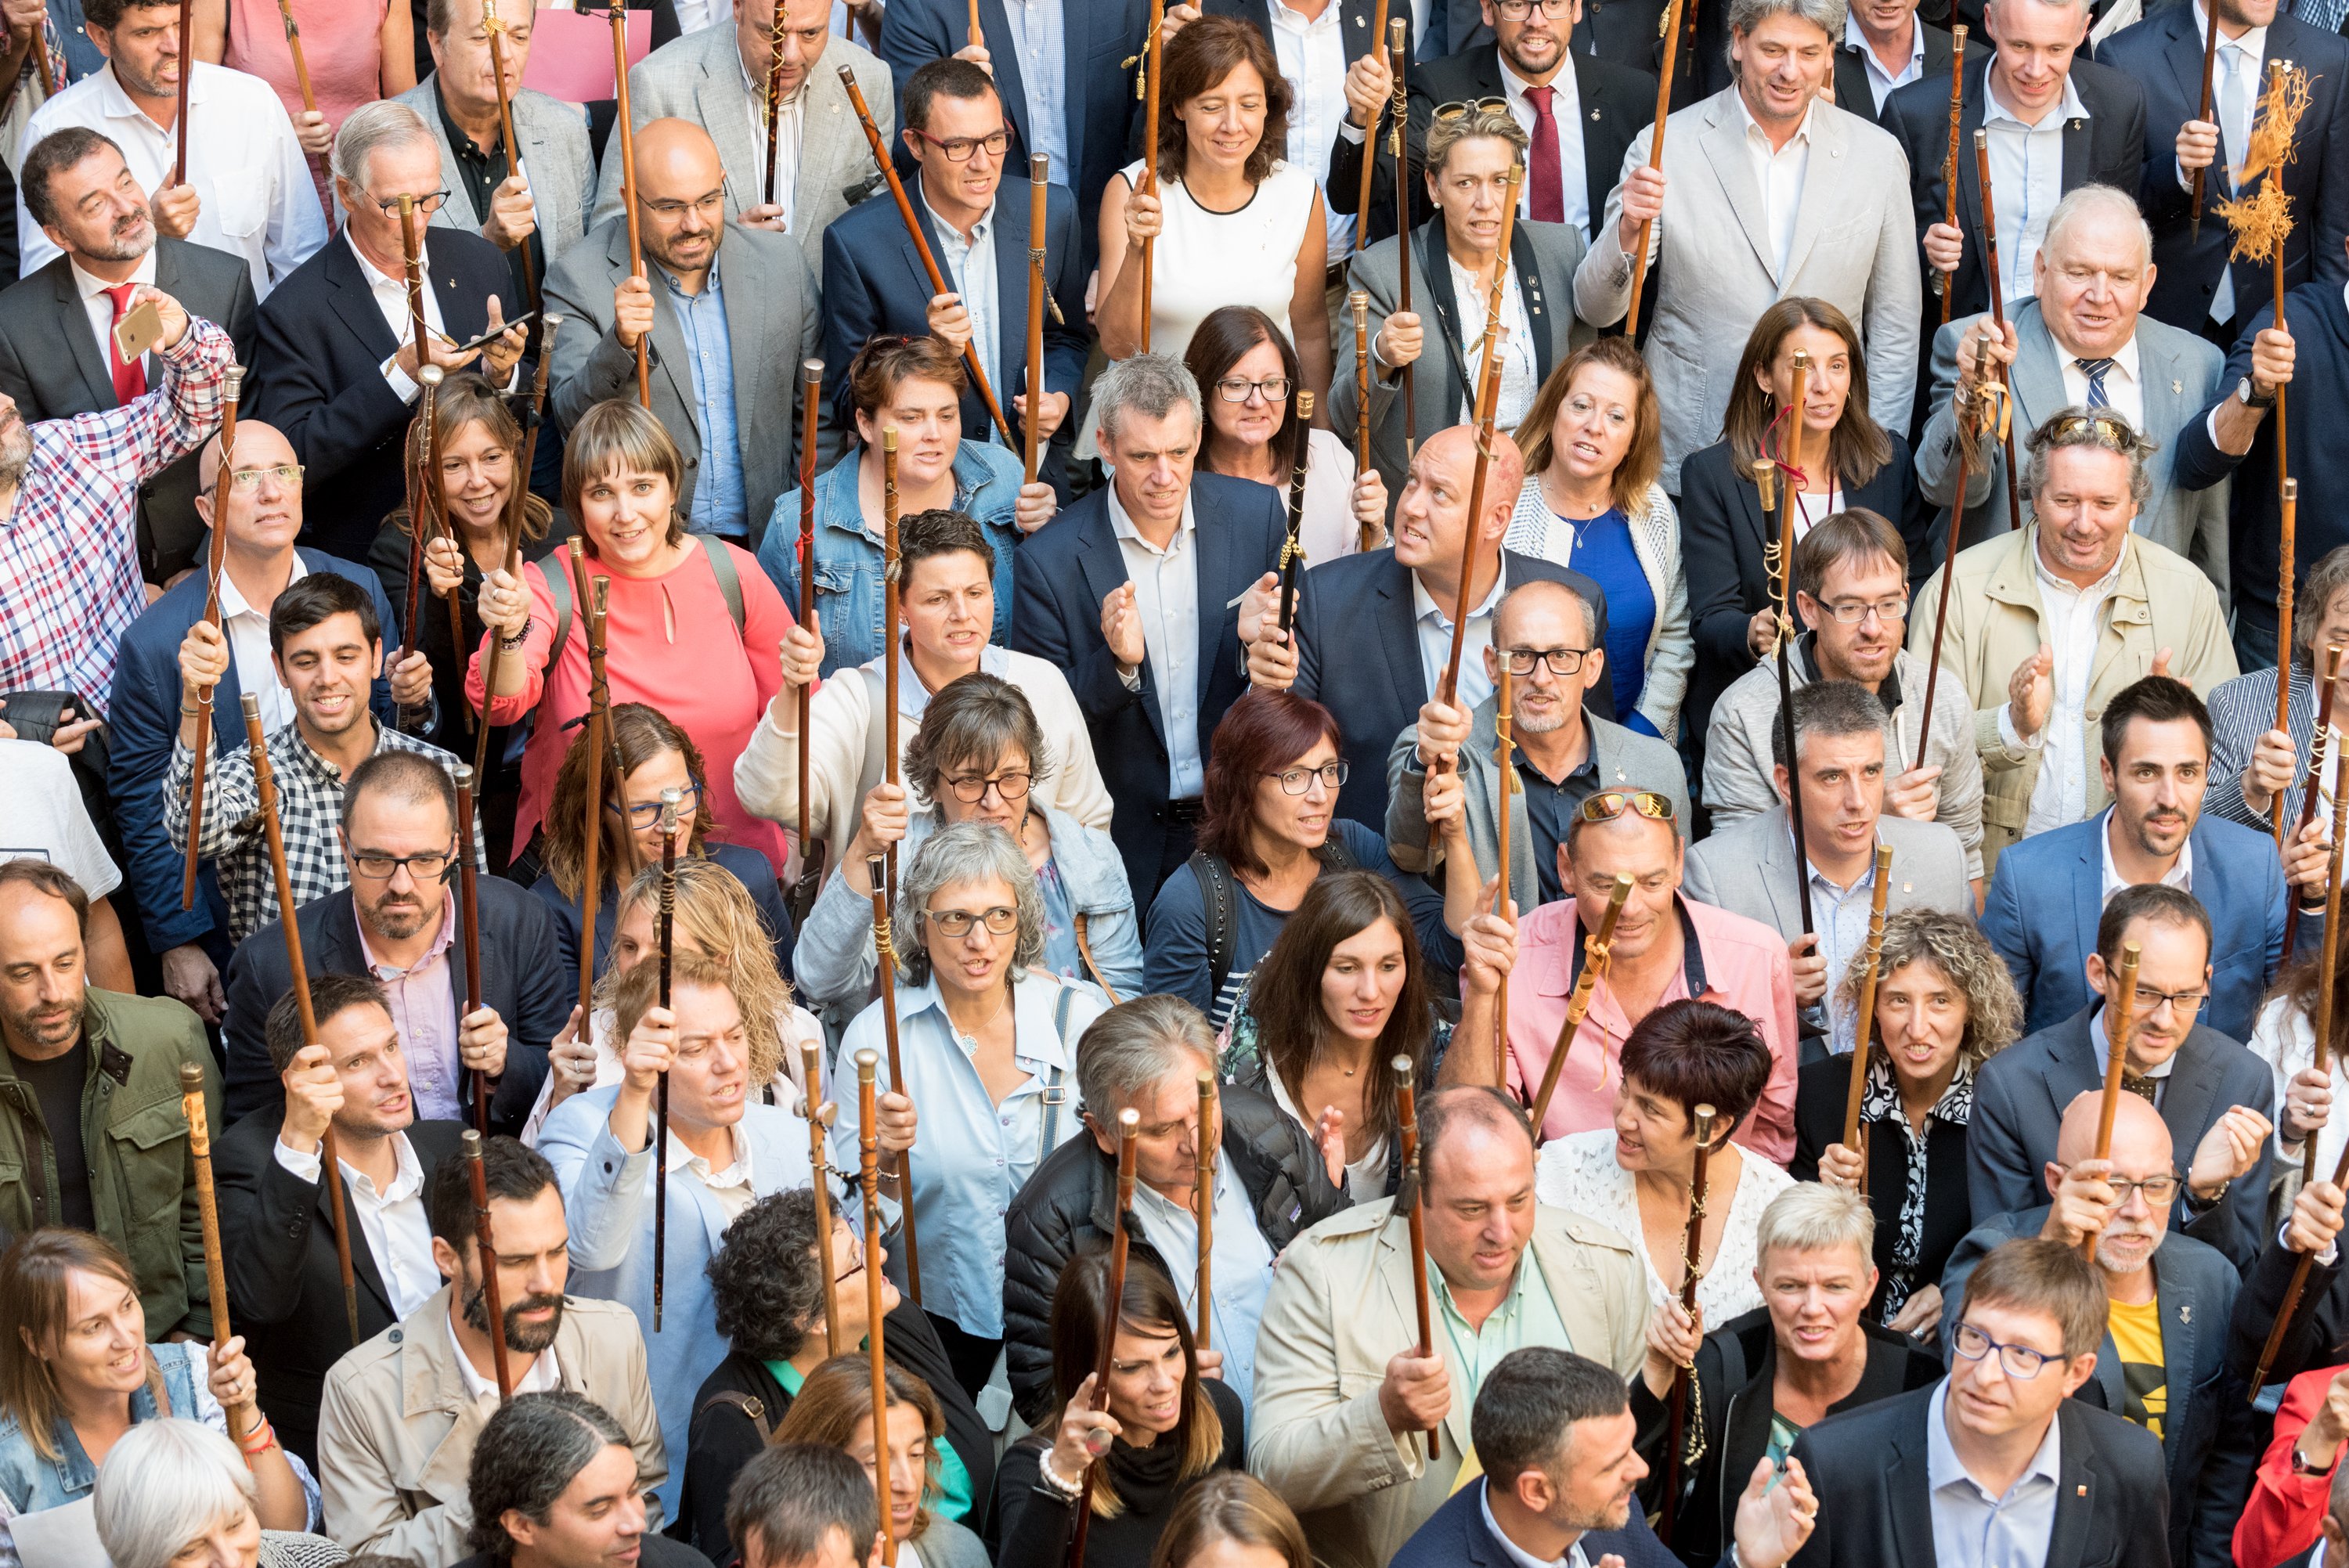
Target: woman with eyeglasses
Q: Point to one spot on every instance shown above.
(988, 1045)
(1268, 827)
(1243, 364)
(1847, 461)
(694, 627)
(767, 1285)
(1471, 148)
(980, 757)
(1593, 444)
(912, 385)
(1233, 222)
(905, 1462)
(1944, 1006)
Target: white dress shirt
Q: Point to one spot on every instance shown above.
(1880, 82)
(2026, 179)
(1778, 175)
(2074, 620)
(1575, 1556)
(2124, 384)
(1971, 1529)
(248, 645)
(730, 1188)
(101, 306)
(255, 199)
(1242, 1271)
(1312, 56)
(791, 126)
(2180, 876)
(1166, 596)
(1520, 368)
(398, 1233)
(541, 1376)
(1435, 628)
(1566, 118)
(969, 265)
(390, 290)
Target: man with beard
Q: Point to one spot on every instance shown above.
(401, 1414)
(2050, 889)
(89, 1099)
(276, 1227)
(57, 354)
(397, 921)
(2155, 1366)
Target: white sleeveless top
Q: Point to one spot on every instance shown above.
(1206, 260)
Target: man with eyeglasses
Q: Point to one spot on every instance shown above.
(397, 921)
(2153, 1369)
(335, 365)
(1996, 1465)
(260, 563)
(729, 309)
(2214, 1096)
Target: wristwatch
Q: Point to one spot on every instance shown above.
(2251, 397)
(2302, 1466)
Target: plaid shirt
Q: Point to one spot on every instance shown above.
(69, 549)
(309, 810)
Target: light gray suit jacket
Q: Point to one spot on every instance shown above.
(699, 77)
(772, 323)
(1750, 870)
(555, 161)
(2180, 373)
(1855, 246)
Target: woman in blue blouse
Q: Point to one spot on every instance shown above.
(1593, 442)
(913, 386)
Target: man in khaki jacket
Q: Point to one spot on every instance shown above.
(1343, 1402)
(2052, 621)
(401, 1413)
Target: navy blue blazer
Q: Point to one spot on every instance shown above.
(874, 283)
(1068, 567)
(1357, 602)
(2060, 876)
(143, 718)
(1100, 43)
(2163, 53)
(1457, 1534)
(2021, 1094)
(317, 376)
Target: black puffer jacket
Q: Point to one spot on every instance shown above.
(1069, 1206)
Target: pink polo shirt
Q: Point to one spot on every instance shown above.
(424, 1009)
(1742, 964)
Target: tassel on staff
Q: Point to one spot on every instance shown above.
(200, 1158)
(812, 1072)
(517, 508)
(1596, 948)
(1410, 1199)
(1129, 1128)
(2120, 1016)
(884, 954)
(1943, 282)
(624, 126)
(469, 908)
(1864, 1036)
(2319, 742)
(485, 1249)
(868, 1150)
(215, 562)
(1203, 1204)
(664, 945)
(1691, 1271)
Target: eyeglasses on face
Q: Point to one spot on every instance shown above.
(1517, 10)
(432, 866)
(1238, 389)
(2019, 1361)
(971, 787)
(246, 480)
(425, 205)
(1608, 804)
(956, 923)
(1851, 611)
(643, 814)
(1296, 780)
(1561, 661)
(2187, 1003)
(670, 211)
(2158, 1189)
(1479, 105)
(958, 148)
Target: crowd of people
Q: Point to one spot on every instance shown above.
(1391, 824)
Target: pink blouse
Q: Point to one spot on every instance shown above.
(670, 643)
(342, 45)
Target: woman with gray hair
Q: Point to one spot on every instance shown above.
(988, 1043)
(176, 1494)
(1944, 1006)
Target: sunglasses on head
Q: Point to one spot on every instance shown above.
(1608, 804)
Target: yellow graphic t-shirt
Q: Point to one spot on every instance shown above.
(2145, 1375)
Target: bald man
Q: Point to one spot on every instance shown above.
(2170, 1297)
(1403, 599)
(725, 313)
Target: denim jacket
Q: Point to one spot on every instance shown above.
(32, 1484)
(848, 560)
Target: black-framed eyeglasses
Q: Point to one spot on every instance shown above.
(1561, 661)
(969, 788)
(1238, 389)
(2187, 1003)
(1517, 10)
(1484, 105)
(2019, 1361)
(644, 814)
(1608, 804)
(2158, 1189)
(956, 923)
(425, 205)
(1298, 781)
(433, 866)
(958, 148)
(1851, 611)
(670, 211)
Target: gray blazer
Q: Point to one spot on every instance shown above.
(699, 77)
(771, 323)
(1544, 257)
(555, 161)
(2180, 373)
(1737, 767)
(1750, 870)
(1855, 246)
(1626, 759)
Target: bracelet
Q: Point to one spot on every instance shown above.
(1066, 1490)
(259, 1441)
(519, 636)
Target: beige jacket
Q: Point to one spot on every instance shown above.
(1997, 621)
(396, 1425)
(1340, 1308)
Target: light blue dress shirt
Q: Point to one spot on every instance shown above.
(1842, 922)
(1971, 1529)
(973, 1155)
(1243, 1271)
(1040, 40)
(971, 269)
(717, 504)
(1166, 595)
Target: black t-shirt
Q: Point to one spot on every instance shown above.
(58, 1084)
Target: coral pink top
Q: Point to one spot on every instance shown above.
(342, 43)
(670, 643)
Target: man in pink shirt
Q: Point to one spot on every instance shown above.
(1666, 948)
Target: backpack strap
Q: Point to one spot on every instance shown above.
(558, 588)
(1215, 891)
(729, 579)
(1085, 953)
(1335, 856)
(1055, 1093)
(753, 1407)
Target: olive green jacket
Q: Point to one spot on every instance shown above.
(135, 1142)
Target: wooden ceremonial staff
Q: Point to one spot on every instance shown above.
(265, 785)
(1864, 1034)
(301, 66)
(880, 149)
(776, 90)
(200, 1154)
(625, 128)
(1506, 777)
(411, 261)
(1942, 280)
(2320, 1057)
(485, 1250)
(1997, 310)
(1693, 1270)
(812, 1071)
(1596, 946)
(2119, 1018)
(187, 69)
(1792, 446)
(1203, 1204)
(1639, 247)
(468, 905)
(592, 597)
(884, 954)
(892, 608)
(1129, 1127)
(215, 561)
(1359, 303)
(1398, 115)
(1488, 393)
(666, 947)
(1411, 1201)
(1292, 553)
(810, 882)
(496, 29)
(868, 1148)
(2209, 64)
(517, 508)
(417, 459)
(2319, 742)
(976, 39)
(1155, 55)
(1039, 175)
(1948, 556)
(2288, 501)
(1370, 158)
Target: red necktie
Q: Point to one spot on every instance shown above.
(1548, 192)
(129, 379)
